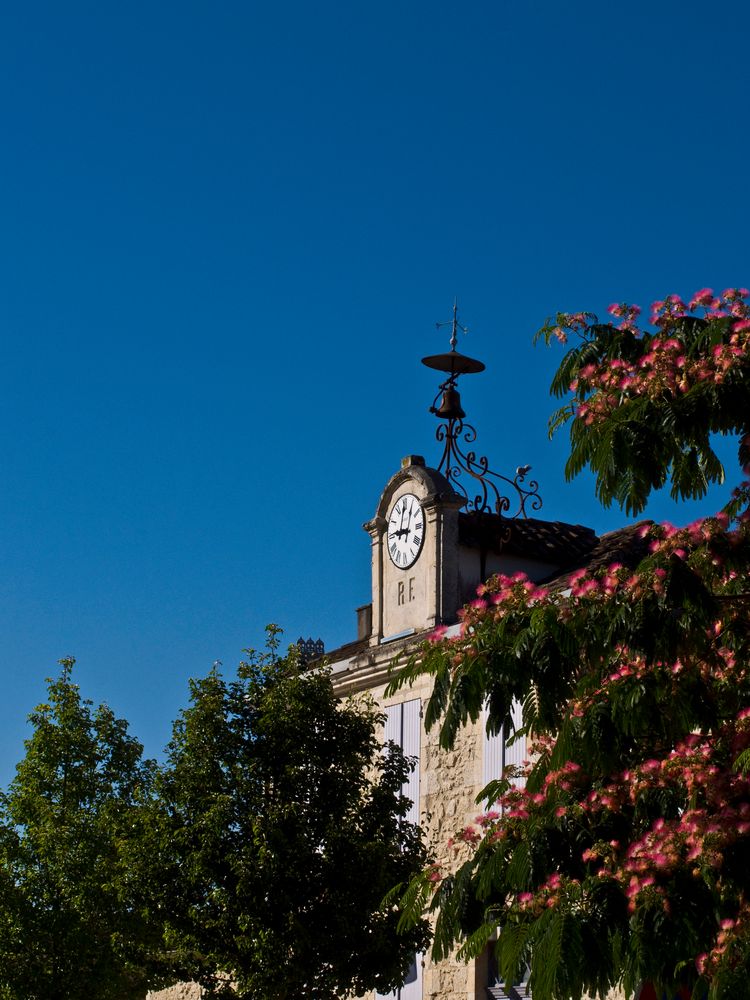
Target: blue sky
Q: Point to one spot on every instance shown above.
(228, 232)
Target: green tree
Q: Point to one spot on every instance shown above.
(283, 825)
(70, 922)
(625, 858)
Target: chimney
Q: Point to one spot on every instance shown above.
(364, 621)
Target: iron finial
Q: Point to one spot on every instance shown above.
(454, 325)
(453, 363)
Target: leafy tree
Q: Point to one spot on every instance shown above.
(283, 825)
(70, 922)
(626, 856)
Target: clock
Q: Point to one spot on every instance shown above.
(405, 531)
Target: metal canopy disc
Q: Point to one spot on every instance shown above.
(453, 363)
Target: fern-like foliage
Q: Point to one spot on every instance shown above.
(638, 433)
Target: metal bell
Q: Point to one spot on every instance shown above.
(450, 406)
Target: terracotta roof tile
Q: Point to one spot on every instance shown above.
(624, 545)
(570, 546)
(545, 541)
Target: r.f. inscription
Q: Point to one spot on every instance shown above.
(405, 591)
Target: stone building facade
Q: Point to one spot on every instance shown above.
(428, 556)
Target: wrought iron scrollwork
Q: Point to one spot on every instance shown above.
(468, 472)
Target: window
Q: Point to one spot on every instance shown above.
(403, 726)
(497, 990)
(498, 756)
(412, 988)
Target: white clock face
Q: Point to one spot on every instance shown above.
(405, 531)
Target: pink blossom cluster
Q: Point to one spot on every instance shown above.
(434, 874)
(577, 323)
(468, 835)
(731, 303)
(627, 314)
(549, 894)
(501, 595)
(731, 932)
(665, 369)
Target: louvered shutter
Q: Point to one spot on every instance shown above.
(494, 754)
(411, 732)
(498, 756)
(515, 754)
(392, 732)
(403, 726)
(412, 988)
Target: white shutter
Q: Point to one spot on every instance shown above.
(515, 754)
(392, 732)
(496, 755)
(412, 988)
(411, 732)
(403, 726)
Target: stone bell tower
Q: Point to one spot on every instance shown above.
(421, 571)
(415, 583)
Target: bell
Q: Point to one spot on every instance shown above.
(450, 406)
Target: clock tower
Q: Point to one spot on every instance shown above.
(435, 531)
(415, 580)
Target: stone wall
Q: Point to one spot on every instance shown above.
(449, 783)
(183, 991)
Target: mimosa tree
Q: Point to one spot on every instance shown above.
(626, 857)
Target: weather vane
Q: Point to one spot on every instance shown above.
(458, 463)
(455, 326)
